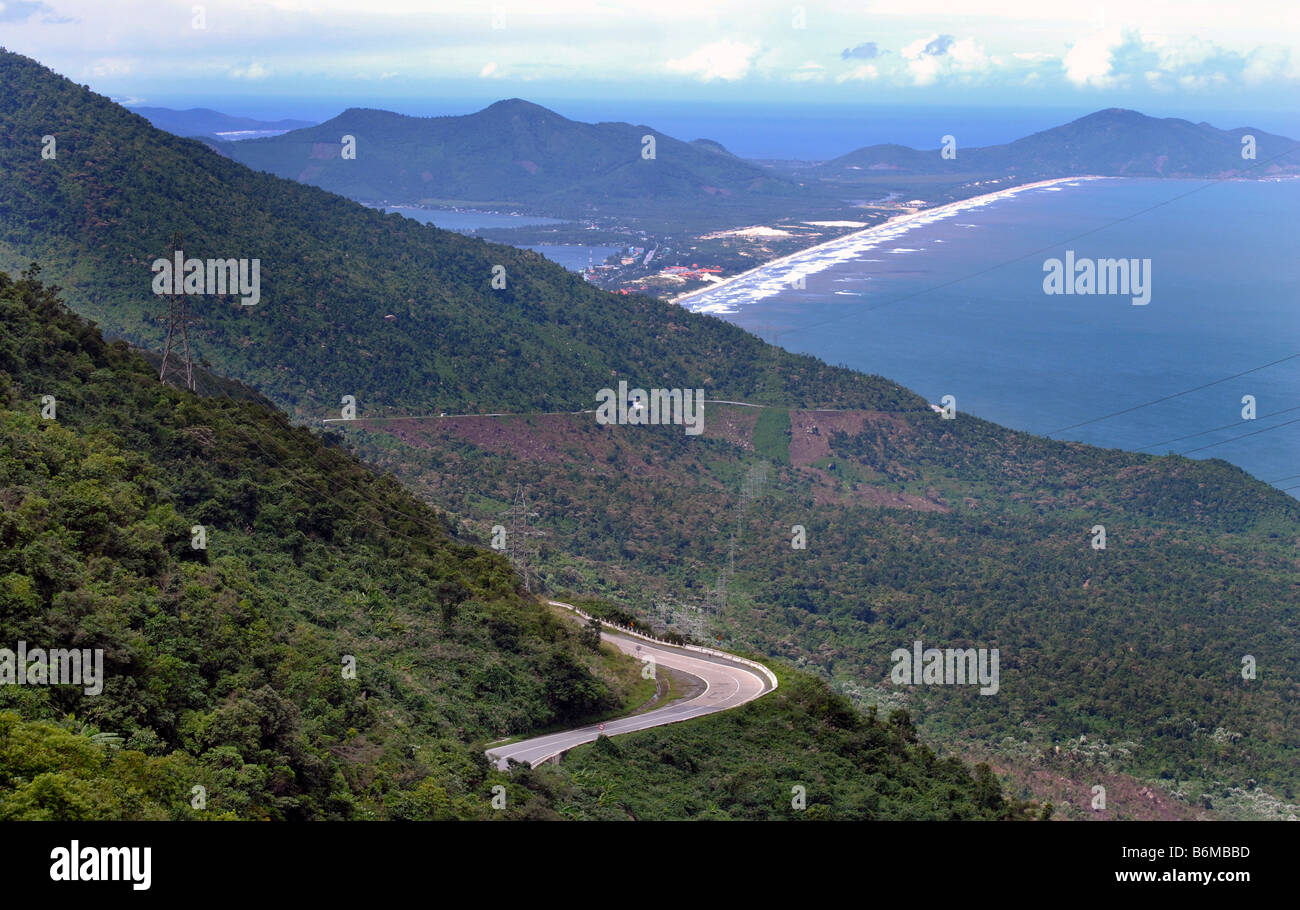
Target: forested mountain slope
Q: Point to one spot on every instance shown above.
(515, 152)
(226, 667)
(332, 272)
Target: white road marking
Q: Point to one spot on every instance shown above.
(726, 685)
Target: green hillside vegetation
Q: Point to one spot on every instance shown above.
(850, 766)
(224, 666)
(958, 533)
(99, 214)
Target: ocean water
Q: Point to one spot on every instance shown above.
(955, 305)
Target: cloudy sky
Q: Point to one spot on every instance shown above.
(1136, 53)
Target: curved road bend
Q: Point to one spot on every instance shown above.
(726, 685)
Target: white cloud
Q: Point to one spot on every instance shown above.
(917, 48)
(252, 71)
(1090, 62)
(967, 55)
(1115, 56)
(809, 72)
(111, 67)
(924, 70)
(867, 72)
(941, 56)
(1265, 64)
(727, 60)
(610, 45)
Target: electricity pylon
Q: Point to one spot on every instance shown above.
(178, 315)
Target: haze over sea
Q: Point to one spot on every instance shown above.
(955, 306)
(805, 130)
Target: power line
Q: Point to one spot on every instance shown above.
(1226, 426)
(1242, 436)
(1147, 404)
(1288, 477)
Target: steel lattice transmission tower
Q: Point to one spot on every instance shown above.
(519, 547)
(178, 316)
(750, 489)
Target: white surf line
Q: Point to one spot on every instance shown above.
(924, 215)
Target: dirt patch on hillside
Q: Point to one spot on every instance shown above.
(578, 439)
(810, 431)
(731, 424)
(810, 440)
(1072, 795)
(547, 439)
(828, 492)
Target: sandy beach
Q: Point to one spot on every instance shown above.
(924, 215)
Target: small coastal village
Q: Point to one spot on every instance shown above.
(669, 267)
(672, 269)
(671, 259)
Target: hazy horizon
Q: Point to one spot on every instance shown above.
(753, 129)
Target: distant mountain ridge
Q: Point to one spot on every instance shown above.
(1114, 142)
(512, 151)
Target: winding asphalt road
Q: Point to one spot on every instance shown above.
(727, 684)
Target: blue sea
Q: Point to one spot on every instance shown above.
(955, 305)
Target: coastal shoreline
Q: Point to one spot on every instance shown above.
(845, 239)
